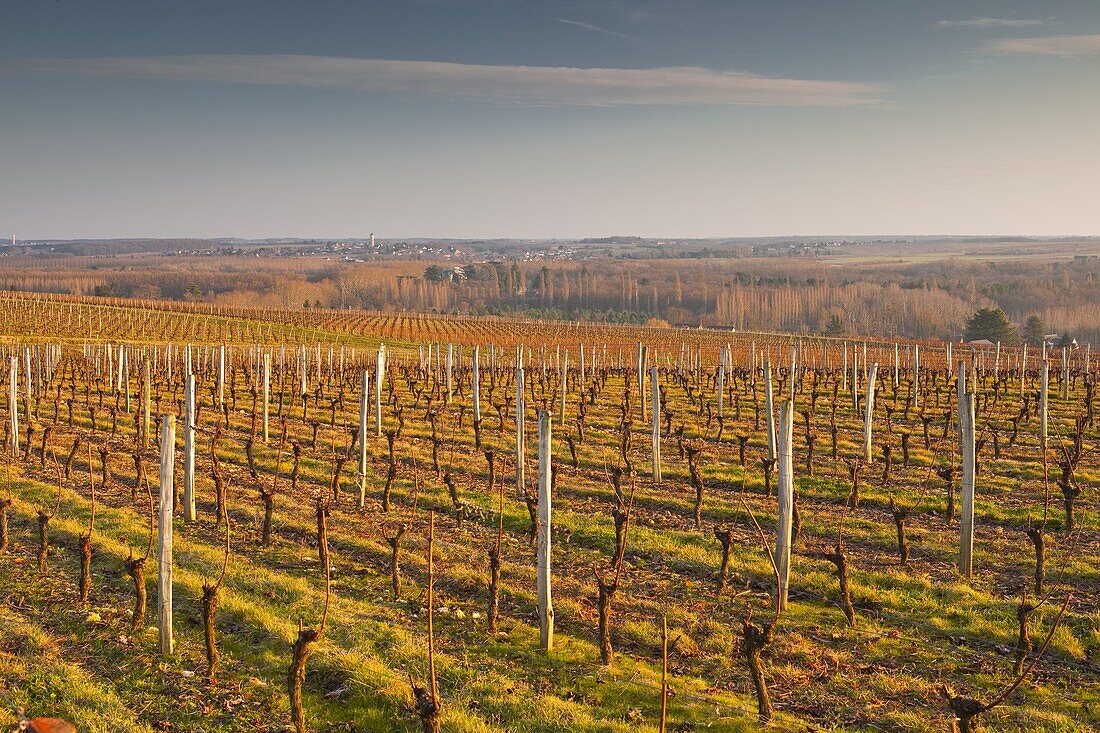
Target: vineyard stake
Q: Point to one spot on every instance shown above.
(916, 375)
(1065, 373)
(656, 416)
(475, 379)
(721, 386)
(379, 371)
(868, 410)
(769, 404)
(267, 392)
(785, 497)
(189, 514)
(545, 599)
(966, 450)
(450, 371)
(164, 532)
(146, 385)
(364, 410)
(221, 376)
(1044, 392)
(521, 434)
(13, 406)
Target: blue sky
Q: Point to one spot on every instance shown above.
(558, 118)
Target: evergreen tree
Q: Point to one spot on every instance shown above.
(991, 324)
(1034, 331)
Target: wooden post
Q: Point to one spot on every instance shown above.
(769, 405)
(1023, 368)
(13, 406)
(796, 357)
(164, 534)
(267, 392)
(116, 387)
(302, 371)
(475, 379)
(221, 376)
(855, 380)
(785, 483)
(126, 376)
(966, 450)
(189, 514)
(364, 411)
(1044, 393)
(916, 375)
(545, 597)
(844, 372)
(450, 371)
(868, 412)
(564, 384)
(721, 381)
(146, 398)
(28, 380)
(521, 432)
(656, 417)
(1065, 373)
(379, 372)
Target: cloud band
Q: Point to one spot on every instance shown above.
(1063, 46)
(532, 85)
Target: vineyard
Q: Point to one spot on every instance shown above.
(259, 520)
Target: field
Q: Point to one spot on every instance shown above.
(631, 553)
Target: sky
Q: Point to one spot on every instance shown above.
(548, 118)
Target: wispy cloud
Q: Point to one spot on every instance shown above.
(532, 85)
(593, 28)
(1063, 46)
(976, 22)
